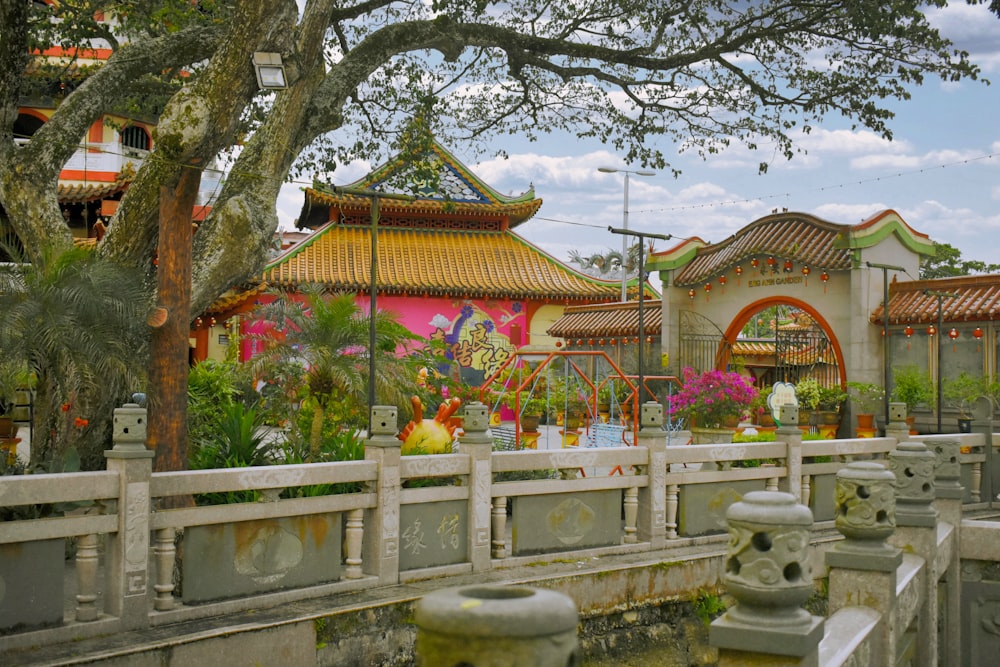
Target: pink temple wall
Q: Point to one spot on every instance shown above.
(477, 332)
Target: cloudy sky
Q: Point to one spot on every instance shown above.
(941, 172)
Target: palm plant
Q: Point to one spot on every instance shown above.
(78, 324)
(330, 337)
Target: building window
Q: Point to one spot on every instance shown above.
(135, 137)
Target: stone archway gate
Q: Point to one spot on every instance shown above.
(817, 267)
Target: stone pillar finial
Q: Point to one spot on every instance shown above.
(651, 415)
(913, 464)
(129, 430)
(788, 414)
(865, 514)
(476, 418)
(769, 573)
(897, 413)
(384, 420)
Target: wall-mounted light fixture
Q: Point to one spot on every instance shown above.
(270, 72)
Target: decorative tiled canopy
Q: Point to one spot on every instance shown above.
(800, 238)
(607, 320)
(459, 199)
(963, 299)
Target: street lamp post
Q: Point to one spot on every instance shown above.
(375, 196)
(637, 172)
(642, 236)
(885, 331)
(940, 322)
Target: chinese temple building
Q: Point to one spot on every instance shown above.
(448, 262)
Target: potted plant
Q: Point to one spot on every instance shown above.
(962, 392)
(807, 392)
(708, 399)
(828, 411)
(761, 411)
(913, 386)
(865, 397)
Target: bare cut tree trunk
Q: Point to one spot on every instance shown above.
(168, 371)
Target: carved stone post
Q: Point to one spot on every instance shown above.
(381, 543)
(897, 427)
(652, 518)
(916, 532)
(863, 566)
(128, 549)
(790, 433)
(477, 443)
(948, 494)
(769, 574)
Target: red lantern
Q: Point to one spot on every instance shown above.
(708, 291)
(909, 332)
(692, 293)
(739, 272)
(953, 335)
(601, 342)
(931, 330)
(977, 333)
(613, 342)
(824, 277)
(788, 266)
(722, 281)
(649, 339)
(805, 274)
(754, 262)
(772, 262)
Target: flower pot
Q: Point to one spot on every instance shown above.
(866, 422)
(529, 423)
(829, 417)
(7, 428)
(711, 436)
(574, 420)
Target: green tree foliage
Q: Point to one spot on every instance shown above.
(78, 324)
(947, 262)
(368, 79)
(329, 337)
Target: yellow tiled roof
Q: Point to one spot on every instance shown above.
(70, 193)
(433, 262)
(610, 319)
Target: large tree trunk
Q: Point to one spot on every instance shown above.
(168, 372)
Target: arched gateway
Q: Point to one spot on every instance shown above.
(789, 295)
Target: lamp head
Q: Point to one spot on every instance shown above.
(607, 170)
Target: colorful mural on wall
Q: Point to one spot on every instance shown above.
(479, 335)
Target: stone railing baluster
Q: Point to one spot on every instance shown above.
(86, 578)
(164, 552)
(354, 538)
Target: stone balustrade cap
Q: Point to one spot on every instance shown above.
(496, 611)
(770, 507)
(866, 470)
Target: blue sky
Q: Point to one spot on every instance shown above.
(941, 172)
